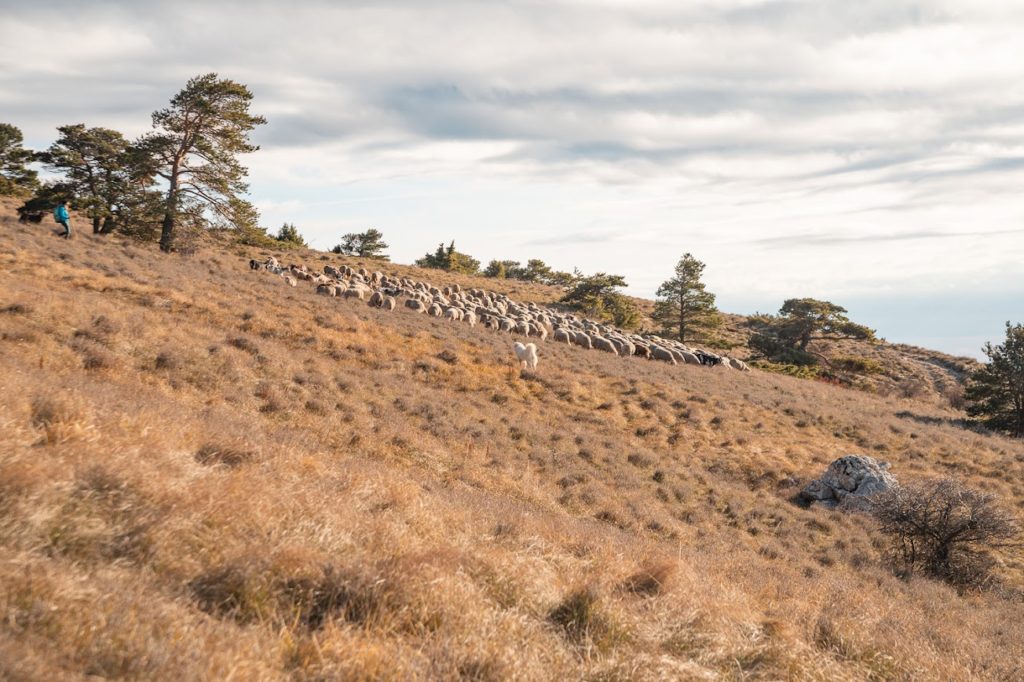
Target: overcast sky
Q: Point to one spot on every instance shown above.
(869, 152)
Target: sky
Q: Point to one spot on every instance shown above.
(870, 153)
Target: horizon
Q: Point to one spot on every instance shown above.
(868, 155)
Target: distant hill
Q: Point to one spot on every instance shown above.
(208, 474)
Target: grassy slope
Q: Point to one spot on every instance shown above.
(205, 473)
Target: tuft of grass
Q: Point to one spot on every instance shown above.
(650, 580)
(582, 619)
(59, 419)
(227, 454)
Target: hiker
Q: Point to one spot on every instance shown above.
(60, 214)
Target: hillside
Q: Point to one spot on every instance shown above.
(207, 474)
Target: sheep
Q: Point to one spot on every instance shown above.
(326, 290)
(601, 343)
(690, 358)
(376, 300)
(739, 364)
(389, 303)
(355, 292)
(416, 305)
(659, 353)
(583, 340)
(561, 336)
(289, 280)
(470, 318)
(453, 314)
(527, 354)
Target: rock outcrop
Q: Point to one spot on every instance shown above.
(850, 480)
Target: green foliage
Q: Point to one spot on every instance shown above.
(855, 365)
(597, 296)
(108, 177)
(798, 371)
(995, 392)
(767, 345)
(195, 146)
(785, 337)
(369, 244)
(289, 235)
(685, 308)
(447, 258)
(535, 270)
(254, 235)
(501, 269)
(16, 178)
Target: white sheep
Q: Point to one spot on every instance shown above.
(527, 354)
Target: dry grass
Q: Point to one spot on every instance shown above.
(259, 483)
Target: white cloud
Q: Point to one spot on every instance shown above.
(650, 126)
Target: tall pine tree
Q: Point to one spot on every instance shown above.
(685, 308)
(995, 393)
(196, 145)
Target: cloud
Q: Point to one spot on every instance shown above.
(573, 238)
(835, 239)
(636, 130)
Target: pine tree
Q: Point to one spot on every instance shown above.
(597, 296)
(16, 178)
(369, 244)
(685, 307)
(289, 234)
(995, 392)
(97, 169)
(196, 144)
(448, 258)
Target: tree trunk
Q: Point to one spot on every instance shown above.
(170, 210)
(94, 194)
(682, 318)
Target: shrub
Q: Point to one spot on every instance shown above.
(944, 530)
(857, 365)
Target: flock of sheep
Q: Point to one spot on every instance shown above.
(494, 311)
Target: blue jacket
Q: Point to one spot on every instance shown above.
(60, 213)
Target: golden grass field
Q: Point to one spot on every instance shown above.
(208, 475)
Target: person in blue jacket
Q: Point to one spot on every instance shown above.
(60, 214)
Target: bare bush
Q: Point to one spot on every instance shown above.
(955, 396)
(944, 530)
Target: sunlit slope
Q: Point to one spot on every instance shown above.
(206, 473)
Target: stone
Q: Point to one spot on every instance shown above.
(849, 481)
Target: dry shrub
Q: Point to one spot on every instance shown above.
(17, 309)
(231, 454)
(583, 621)
(244, 344)
(95, 355)
(945, 530)
(167, 359)
(60, 419)
(650, 580)
(954, 396)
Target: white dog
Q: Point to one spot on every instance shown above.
(527, 354)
